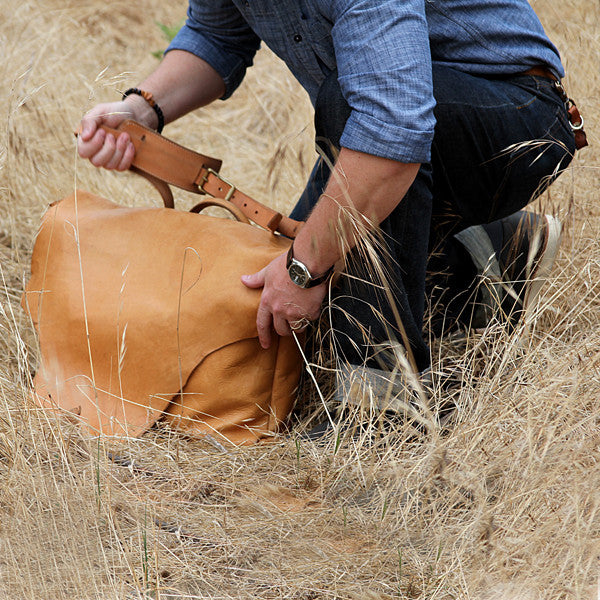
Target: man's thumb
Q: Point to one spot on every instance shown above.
(256, 280)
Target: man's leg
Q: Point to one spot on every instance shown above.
(478, 176)
(498, 144)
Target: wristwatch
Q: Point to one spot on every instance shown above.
(300, 274)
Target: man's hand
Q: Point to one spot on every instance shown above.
(100, 147)
(284, 306)
(103, 149)
(361, 185)
(182, 82)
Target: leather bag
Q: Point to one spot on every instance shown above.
(141, 314)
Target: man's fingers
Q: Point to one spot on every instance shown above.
(254, 281)
(104, 155)
(88, 128)
(127, 157)
(89, 124)
(91, 140)
(264, 321)
(282, 327)
(104, 151)
(91, 121)
(114, 162)
(92, 146)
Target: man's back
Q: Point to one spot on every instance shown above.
(382, 51)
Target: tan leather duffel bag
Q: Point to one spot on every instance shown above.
(141, 313)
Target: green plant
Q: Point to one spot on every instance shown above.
(169, 32)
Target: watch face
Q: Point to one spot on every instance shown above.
(299, 273)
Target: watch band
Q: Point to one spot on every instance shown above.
(300, 275)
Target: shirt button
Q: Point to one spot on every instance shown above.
(298, 38)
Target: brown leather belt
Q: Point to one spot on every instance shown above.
(541, 72)
(575, 117)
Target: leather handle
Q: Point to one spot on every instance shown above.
(162, 187)
(164, 159)
(164, 162)
(266, 217)
(232, 208)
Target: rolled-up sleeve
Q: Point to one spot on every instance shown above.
(384, 69)
(216, 32)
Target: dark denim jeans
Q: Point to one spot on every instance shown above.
(474, 177)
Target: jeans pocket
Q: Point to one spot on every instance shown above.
(523, 91)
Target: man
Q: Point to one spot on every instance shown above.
(436, 117)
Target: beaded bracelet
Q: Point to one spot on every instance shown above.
(147, 96)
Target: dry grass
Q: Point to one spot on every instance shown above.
(505, 505)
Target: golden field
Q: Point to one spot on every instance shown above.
(506, 505)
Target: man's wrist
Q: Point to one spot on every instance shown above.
(301, 275)
(142, 111)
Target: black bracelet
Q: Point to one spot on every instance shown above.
(147, 96)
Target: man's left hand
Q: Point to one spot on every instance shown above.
(284, 306)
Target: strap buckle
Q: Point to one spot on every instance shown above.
(575, 118)
(227, 195)
(560, 88)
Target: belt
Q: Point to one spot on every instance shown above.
(541, 72)
(575, 118)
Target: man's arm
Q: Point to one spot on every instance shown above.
(362, 191)
(384, 70)
(207, 60)
(182, 82)
(362, 187)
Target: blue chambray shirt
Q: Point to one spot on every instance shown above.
(383, 51)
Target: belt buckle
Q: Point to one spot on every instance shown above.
(230, 192)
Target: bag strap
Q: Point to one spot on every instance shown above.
(164, 162)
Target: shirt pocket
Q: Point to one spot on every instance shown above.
(318, 31)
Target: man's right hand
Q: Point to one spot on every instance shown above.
(102, 149)
(181, 83)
